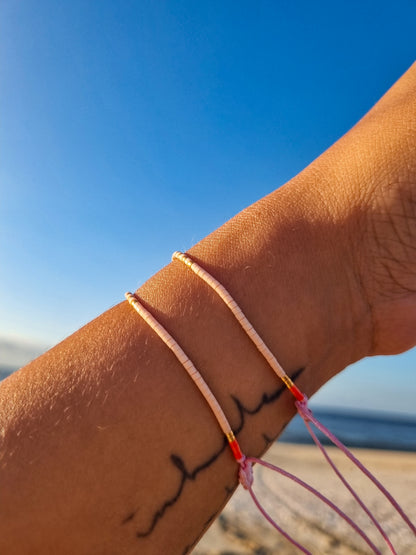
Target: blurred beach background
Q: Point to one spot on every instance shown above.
(130, 130)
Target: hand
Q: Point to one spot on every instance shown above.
(384, 171)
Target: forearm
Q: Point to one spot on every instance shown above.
(109, 447)
(114, 439)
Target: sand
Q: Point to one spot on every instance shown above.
(241, 530)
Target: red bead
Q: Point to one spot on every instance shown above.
(297, 393)
(235, 448)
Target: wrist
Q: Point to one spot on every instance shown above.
(288, 262)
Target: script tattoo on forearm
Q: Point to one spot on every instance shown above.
(191, 474)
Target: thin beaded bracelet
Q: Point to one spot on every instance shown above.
(245, 463)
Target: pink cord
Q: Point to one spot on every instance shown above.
(312, 490)
(307, 416)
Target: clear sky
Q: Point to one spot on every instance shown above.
(132, 129)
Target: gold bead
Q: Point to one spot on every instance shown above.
(230, 437)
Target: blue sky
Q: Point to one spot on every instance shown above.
(132, 129)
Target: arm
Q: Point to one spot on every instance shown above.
(107, 446)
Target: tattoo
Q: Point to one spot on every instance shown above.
(190, 475)
(128, 517)
(185, 476)
(268, 440)
(229, 490)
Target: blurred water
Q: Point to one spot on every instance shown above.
(358, 429)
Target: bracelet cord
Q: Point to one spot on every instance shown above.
(245, 473)
(301, 402)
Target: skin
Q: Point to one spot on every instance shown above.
(107, 446)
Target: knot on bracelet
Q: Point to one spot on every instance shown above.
(245, 473)
(304, 410)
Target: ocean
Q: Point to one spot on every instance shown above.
(358, 429)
